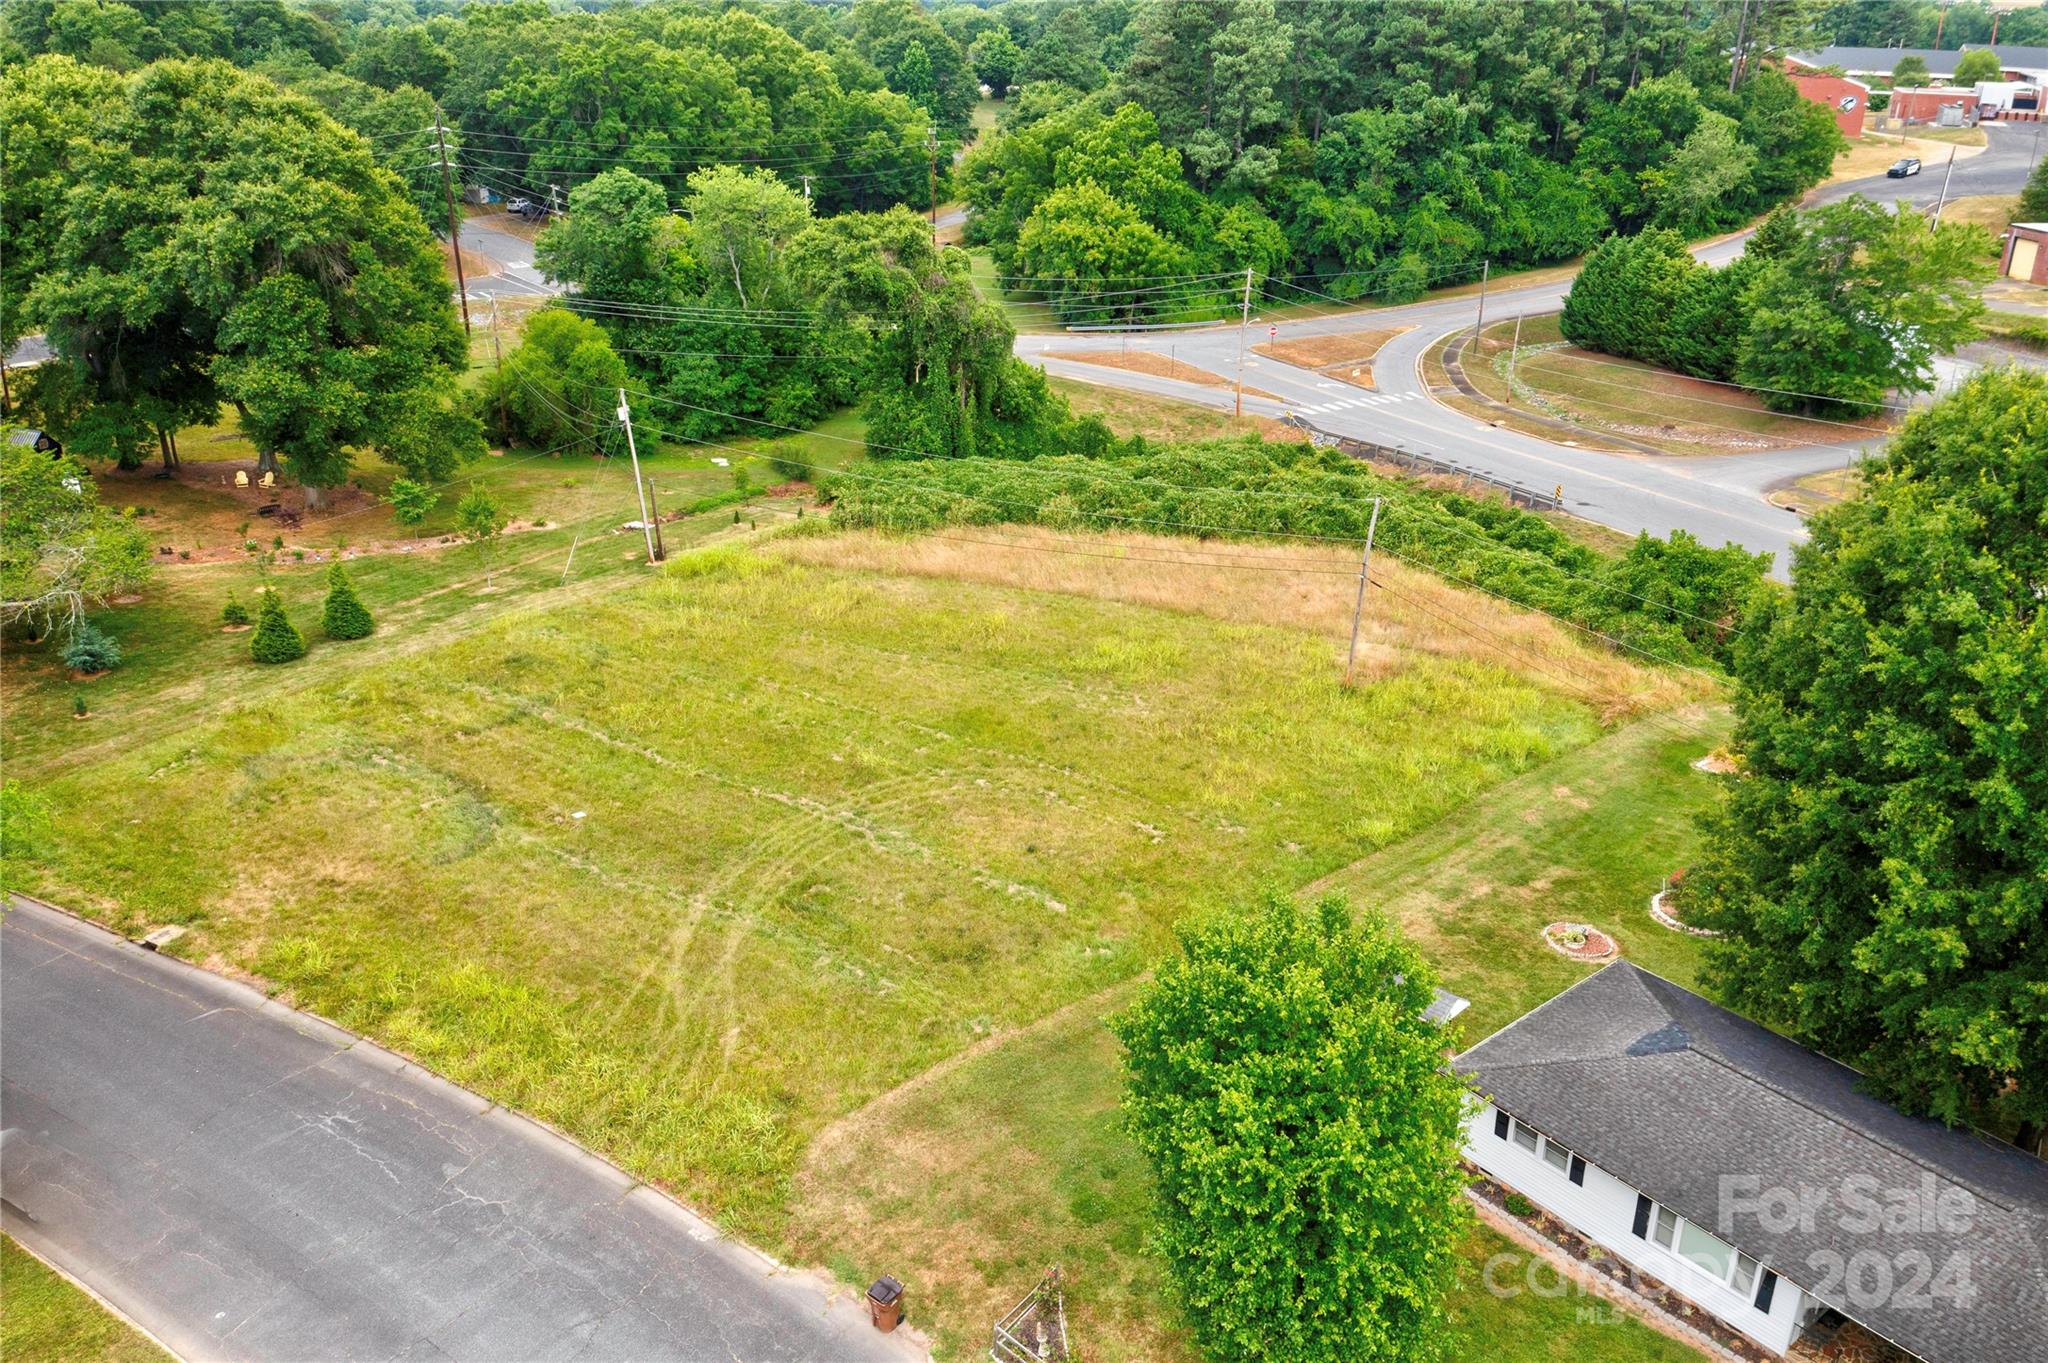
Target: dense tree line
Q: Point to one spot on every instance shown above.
(1879, 870)
(199, 237)
(1826, 310)
(1357, 150)
(1916, 23)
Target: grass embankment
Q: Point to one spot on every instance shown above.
(930, 1179)
(45, 1319)
(1660, 408)
(2016, 329)
(1166, 420)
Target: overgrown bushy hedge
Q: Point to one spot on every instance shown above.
(1677, 599)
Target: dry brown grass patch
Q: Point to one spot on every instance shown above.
(1345, 355)
(1160, 366)
(1305, 586)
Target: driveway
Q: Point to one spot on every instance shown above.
(247, 1182)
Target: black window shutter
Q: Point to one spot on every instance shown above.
(1500, 1124)
(1642, 1226)
(1578, 1173)
(1764, 1290)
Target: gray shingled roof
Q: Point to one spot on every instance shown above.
(1938, 63)
(1669, 1092)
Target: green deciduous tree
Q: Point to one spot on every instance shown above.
(558, 387)
(1292, 1100)
(996, 59)
(1978, 64)
(1861, 304)
(276, 639)
(1910, 71)
(1880, 869)
(225, 240)
(61, 552)
(480, 519)
(1068, 51)
(343, 615)
(2034, 197)
(410, 501)
(1692, 190)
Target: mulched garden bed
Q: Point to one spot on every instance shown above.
(1591, 944)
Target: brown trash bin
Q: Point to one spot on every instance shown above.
(885, 1303)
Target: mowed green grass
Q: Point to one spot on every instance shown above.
(693, 867)
(970, 1184)
(44, 1319)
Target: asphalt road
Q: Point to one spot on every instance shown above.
(1719, 498)
(247, 1182)
(514, 276)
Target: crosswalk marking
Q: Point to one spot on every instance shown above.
(1364, 400)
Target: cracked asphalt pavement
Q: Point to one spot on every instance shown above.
(247, 1182)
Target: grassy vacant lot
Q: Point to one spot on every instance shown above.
(1164, 419)
(1636, 401)
(837, 848)
(44, 1319)
(977, 1176)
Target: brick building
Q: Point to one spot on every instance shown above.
(1848, 100)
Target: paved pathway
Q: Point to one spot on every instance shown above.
(247, 1182)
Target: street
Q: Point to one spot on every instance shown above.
(1718, 498)
(247, 1182)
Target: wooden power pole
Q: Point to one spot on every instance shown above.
(1358, 609)
(1244, 319)
(454, 236)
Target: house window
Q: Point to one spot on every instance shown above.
(1525, 1136)
(1708, 1253)
(1713, 1254)
(1556, 1156)
(1745, 1272)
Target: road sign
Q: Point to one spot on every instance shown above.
(1271, 332)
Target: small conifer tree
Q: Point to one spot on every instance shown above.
(90, 650)
(234, 612)
(344, 616)
(276, 639)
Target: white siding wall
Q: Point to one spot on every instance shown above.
(1604, 1212)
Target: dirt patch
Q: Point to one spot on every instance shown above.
(1160, 366)
(1345, 355)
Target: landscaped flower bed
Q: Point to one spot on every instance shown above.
(1667, 907)
(1580, 941)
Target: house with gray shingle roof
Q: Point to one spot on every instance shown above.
(1755, 1177)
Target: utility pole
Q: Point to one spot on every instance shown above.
(1485, 272)
(654, 522)
(931, 152)
(1358, 609)
(807, 189)
(1741, 35)
(1244, 319)
(454, 237)
(639, 488)
(504, 422)
(1514, 353)
(1940, 22)
(1942, 202)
